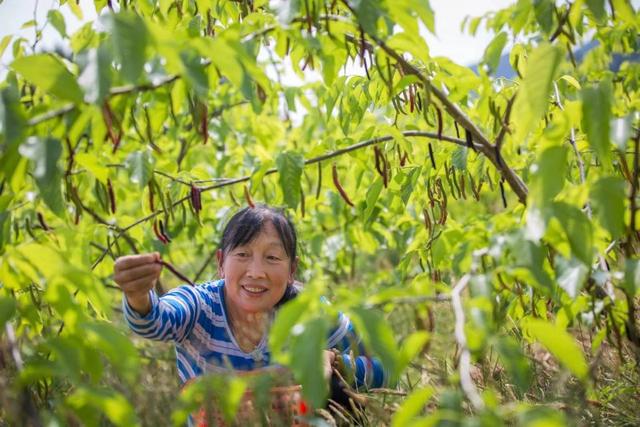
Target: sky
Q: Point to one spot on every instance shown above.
(449, 41)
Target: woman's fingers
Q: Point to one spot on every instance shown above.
(137, 272)
(132, 261)
(140, 285)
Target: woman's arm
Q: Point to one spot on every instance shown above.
(170, 318)
(367, 372)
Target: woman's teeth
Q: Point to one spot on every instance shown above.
(254, 290)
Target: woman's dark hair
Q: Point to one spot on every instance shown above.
(247, 223)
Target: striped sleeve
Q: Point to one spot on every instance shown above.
(368, 372)
(172, 316)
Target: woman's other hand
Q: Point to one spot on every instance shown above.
(136, 275)
(329, 359)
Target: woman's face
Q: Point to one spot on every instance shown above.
(256, 274)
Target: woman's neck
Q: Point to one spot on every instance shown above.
(248, 328)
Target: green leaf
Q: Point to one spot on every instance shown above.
(130, 39)
(632, 276)
(95, 77)
(409, 183)
(547, 175)
(494, 50)
(12, 121)
(533, 96)
(308, 357)
(608, 195)
(544, 14)
(571, 275)
(411, 43)
(459, 158)
(372, 197)
(286, 318)
(368, 12)
(578, 229)
(597, 8)
(515, 362)
(290, 165)
(378, 336)
(44, 154)
(195, 74)
(596, 114)
(4, 43)
(412, 407)
(140, 165)
(57, 20)
(91, 163)
(559, 343)
(113, 405)
(49, 73)
(7, 310)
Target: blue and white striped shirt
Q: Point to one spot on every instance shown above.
(194, 317)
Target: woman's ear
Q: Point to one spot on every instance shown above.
(292, 272)
(219, 257)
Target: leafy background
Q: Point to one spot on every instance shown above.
(480, 231)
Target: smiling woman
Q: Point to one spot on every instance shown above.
(224, 324)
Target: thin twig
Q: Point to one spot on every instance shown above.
(468, 387)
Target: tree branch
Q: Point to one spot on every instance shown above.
(318, 159)
(468, 387)
(514, 181)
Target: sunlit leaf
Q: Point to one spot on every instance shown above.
(532, 100)
(44, 154)
(290, 165)
(596, 113)
(50, 74)
(130, 39)
(140, 167)
(608, 195)
(493, 51)
(561, 345)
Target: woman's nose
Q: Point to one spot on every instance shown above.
(255, 269)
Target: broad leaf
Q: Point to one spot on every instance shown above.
(533, 96)
(290, 165)
(559, 343)
(44, 154)
(308, 346)
(139, 165)
(516, 363)
(49, 74)
(95, 77)
(494, 50)
(548, 175)
(578, 229)
(608, 195)
(596, 114)
(571, 275)
(130, 39)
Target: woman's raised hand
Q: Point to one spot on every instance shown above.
(136, 275)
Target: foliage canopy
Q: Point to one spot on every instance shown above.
(506, 206)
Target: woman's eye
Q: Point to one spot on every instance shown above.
(273, 258)
(242, 254)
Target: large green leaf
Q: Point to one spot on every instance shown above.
(596, 114)
(140, 167)
(494, 50)
(559, 343)
(597, 8)
(533, 96)
(7, 310)
(578, 229)
(49, 74)
(290, 165)
(378, 337)
(548, 175)
(571, 274)
(95, 77)
(608, 195)
(309, 341)
(44, 154)
(130, 39)
(632, 276)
